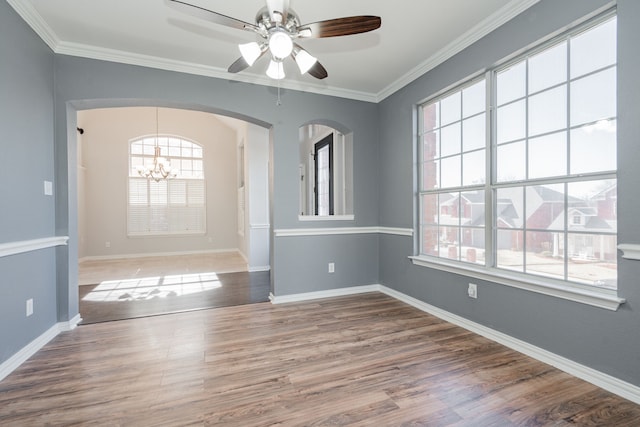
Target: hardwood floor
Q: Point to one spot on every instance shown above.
(117, 289)
(126, 299)
(365, 360)
(91, 272)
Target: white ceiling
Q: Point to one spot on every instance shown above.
(416, 35)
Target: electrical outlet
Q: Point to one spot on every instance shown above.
(332, 267)
(107, 244)
(29, 307)
(472, 291)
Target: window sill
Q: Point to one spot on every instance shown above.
(597, 298)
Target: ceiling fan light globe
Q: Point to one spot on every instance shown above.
(280, 44)
(305, 61)
(276, 70)
(250, 52)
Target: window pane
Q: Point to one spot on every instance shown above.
(474, 133)
(593, 206)
(472, 248)
(548, 155)
(544, 254)
(429, 241)
(510, 255)
(512, 122)
(593, 97)
(197, 152)
(510, 207)
(136, 148)
(149, 148)
(511, 162)
(450, 171)
(430, 146)
(173, 151)
(593, 148)
(472, 207)
(594, 49)
(187, 151)
(135, 163)
(450, 109)
(450, 140)
(473, 99)
(474, 168)
(548, 68)
(448, 204)
(449, 238)
(592, 259)
(512, 83)
(548, 111)
(430, 177)
(429, 208)
(186, 165)
(545, 207)
(430, 116)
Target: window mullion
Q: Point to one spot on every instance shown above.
(490, 224)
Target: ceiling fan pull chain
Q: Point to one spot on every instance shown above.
(278, 101)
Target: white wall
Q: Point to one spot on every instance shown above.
(257, 197)
(105, 157)
(82, 223)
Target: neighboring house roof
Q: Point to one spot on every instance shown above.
(507, 213)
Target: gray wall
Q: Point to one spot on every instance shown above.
(26, 161)
(84, 83)
(598, 338)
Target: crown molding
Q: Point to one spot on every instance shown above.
(123, 57)
(484, 27)
(30, 15)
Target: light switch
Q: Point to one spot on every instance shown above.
(48, 188)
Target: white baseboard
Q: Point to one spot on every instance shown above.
(11, 364)
(259, 268)
(612, 384)
(323, 294)
(71, 324)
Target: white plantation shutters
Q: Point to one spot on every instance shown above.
(167, 207)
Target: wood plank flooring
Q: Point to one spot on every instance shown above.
(365, 360)
(152, 296)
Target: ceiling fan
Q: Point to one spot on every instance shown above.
(278, 28)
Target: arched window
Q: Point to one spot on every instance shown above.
(169, 206)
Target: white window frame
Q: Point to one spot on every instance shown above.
(192, 182)
(591, 295)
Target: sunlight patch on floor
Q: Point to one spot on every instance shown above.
(147, 288)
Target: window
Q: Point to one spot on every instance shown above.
(542, 166)
(173, 206)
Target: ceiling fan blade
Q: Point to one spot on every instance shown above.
(340, 26)
(209, 15)
(318, 71)
(241, 64)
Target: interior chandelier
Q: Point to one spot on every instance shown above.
(161, 167)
